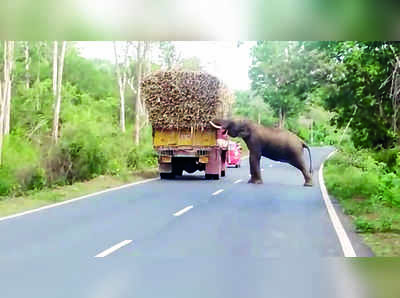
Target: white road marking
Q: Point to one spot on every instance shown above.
(186, 209)
(237, 181)
(77, 199)
(262, 170)
(270, 166)
(344, 240)
(217, 192)
(112, 249)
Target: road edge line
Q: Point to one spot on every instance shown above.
(76, 199)
(344, 240)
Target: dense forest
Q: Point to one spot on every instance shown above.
(65, 118)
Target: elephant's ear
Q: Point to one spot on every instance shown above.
(245, 132)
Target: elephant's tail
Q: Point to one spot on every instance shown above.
(309, 153)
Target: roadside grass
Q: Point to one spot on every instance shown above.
(358, 181)
(37, 199)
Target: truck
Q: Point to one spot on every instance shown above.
(181, 106)
(191, 150)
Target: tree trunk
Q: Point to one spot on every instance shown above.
(39, 43)
(57, 105)
(55, 62)
(259, 118)
(347, 126)
(138, 94)
(142, 49)
(5, 93)
(1, 122)
(282, 117)
(27, 65)
(7, 110)
(122, 80)
(395, 93)
(312, 132)
(8, 66)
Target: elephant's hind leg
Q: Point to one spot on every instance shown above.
(300, 164)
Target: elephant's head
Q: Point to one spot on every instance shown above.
(234, 128)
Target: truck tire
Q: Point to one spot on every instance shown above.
(178, 172)
(212, 177)
(167, 176)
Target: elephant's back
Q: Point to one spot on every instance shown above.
(280, 144)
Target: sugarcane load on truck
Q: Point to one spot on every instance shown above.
(181, 105)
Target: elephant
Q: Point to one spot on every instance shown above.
(274, 143)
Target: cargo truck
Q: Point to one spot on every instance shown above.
(180, 106)
(191, 150)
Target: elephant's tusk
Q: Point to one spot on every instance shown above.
(215, 126)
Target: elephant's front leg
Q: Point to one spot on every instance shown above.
(255, 168)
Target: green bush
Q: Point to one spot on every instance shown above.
(363, 225)
(21, 161)
(142, 158)
(90, 140)
(389, 157)
(389, 189)
(38, 179)
(364, 184)
(82, 150)
(8, 182)
(351, 175)
(380, 225)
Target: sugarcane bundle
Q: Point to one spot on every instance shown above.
(185, 99)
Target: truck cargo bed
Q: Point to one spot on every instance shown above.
(183, 137)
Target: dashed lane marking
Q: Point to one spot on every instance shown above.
(186, 209)
(217, 192)
(112, 249)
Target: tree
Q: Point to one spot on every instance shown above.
(284, 74)
(169, 56)
(253, 107)
(27, 64)
(395, 91)
(363, 96)
(191, 64)
(59, 61)
(55, 65)
(142, 49)
(122, 76)
(5, 92)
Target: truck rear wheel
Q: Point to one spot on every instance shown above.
(167, 176)
(212, 176)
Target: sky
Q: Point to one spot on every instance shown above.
(223, 59)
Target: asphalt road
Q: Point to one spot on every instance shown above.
(182, 238)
